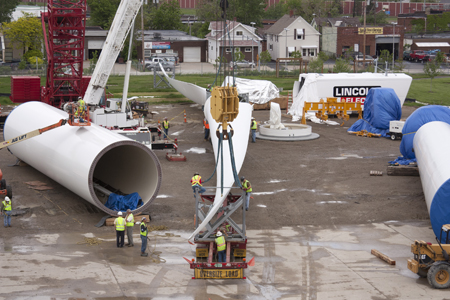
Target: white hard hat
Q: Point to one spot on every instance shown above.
(219, 233)
(7, 199)
(119, 213)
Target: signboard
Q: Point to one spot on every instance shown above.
(157, 45)
(371, 30)
(352, 93)
(219, 273)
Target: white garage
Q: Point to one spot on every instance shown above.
(191, 54)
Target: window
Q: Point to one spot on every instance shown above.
(228, 50)
(238, 32)
(212, 48)
(248, 49)
(271, 37)
(299, 34)
(305, 52)
(169, 51)
(276, 37)
(311, 52)
(270, 47)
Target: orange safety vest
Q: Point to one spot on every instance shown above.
(206, 124)
(196, 180)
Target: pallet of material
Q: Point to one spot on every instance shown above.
(281, 100)
(110, 221)
(403, 170)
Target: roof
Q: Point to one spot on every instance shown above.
(282, 23)
(167, 35)
(345, 22)
(218, 26)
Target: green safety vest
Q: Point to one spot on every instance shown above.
(245, 186)
(254, 125)
(220, 241)
(196, 180)
(144, 229)
(6, 206)
(80, 106)
(120, 224)
(166, 124)
(129, 224)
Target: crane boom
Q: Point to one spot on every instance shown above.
(118, 32)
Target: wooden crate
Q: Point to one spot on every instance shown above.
(281, 100)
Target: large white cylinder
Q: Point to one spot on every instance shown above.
(431, 146)
(79, 157)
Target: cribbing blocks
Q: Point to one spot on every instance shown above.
(175, 157)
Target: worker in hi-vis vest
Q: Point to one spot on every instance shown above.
(253, 127)
(247, 187)
(196, 183)
(119, 223)
(129, 221)
(221, 247)
(81, 110)
(6, 211)
(166, 127)
(206, 126)
(144, 233)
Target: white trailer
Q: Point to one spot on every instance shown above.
(346, 87)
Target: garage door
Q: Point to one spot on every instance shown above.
(191, 54)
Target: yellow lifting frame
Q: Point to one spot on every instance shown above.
(331, 107)
(224, 105)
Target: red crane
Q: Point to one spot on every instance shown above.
(64, 43)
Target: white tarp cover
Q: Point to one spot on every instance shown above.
(308, 91)
(275, 116)
(260, 91)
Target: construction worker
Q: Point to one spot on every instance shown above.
(129, 220)
(6, 211)
(81, 109)
(206, 126)
(144, 234)
(221, 247)
(196, 183)
(166, 127)
(247, 187)
(119, 223)
(253, 127)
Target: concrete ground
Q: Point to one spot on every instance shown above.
(315, 215)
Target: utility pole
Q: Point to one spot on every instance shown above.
(364, 38)
(252, 23)
(286, 52)
(142, 35)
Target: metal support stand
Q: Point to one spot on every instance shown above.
(160, 81)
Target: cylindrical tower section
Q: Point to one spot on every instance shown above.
(84, 158)
(431, 146)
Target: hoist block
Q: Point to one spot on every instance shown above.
(224, 105)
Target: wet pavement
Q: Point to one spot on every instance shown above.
(302, 262)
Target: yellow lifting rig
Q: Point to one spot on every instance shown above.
(331, 107)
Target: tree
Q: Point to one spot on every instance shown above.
(307, 8)
(341, 66)
(6, 9)
(275, 11)
(431, 69)
(238, 56)
(209, 10)
(167, 16)
(103, 12)
(315, 65)
(220, 60)
(245, 11)
(265, 57)
(26, 32)
(385, 56)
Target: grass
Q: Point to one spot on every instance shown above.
(143, 86)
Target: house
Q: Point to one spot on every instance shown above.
(234, 35)
(292, 33)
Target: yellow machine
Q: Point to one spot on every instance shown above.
(331, 107)
(432, 260)
(224, 105)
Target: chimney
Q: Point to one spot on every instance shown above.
(291, 13)
(234, 19)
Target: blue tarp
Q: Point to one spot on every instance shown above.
(381, 106)
(418, 118)
(122, 203)
(403, 161)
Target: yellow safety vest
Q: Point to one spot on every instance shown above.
(245, 186)
(81, 105)
(196, 180)
(6, 206)
(129, 224)
(145, 232)
(166, 124)
(120, 224)
(220, 241)
(254, 125)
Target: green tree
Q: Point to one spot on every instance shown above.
(6, 9)
(167, 16)
(307, 8)
(375, 18)
(275, 11)
(315, 65)
(440, 57)
(431, 69)
(103, 12)
(238, 56)
(385, 56)
(220, 59)
(323, 56)
(26, 32)
(209, 10)
(265, 57)
(245, 11)
(341, 66)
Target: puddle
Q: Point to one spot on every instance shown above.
(261, 205)
(49, 239)
(196, 150)
(162, 196)
(194, 105)
(276, 180)
(332, 202)
(268, 193)
(178, 132)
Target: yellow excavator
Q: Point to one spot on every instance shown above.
(432, 260)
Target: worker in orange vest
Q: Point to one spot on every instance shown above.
(206, 126)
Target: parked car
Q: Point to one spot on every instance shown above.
(242, 64)
(419, 55)
(407, 55)
(360, 58)
(155, 61)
